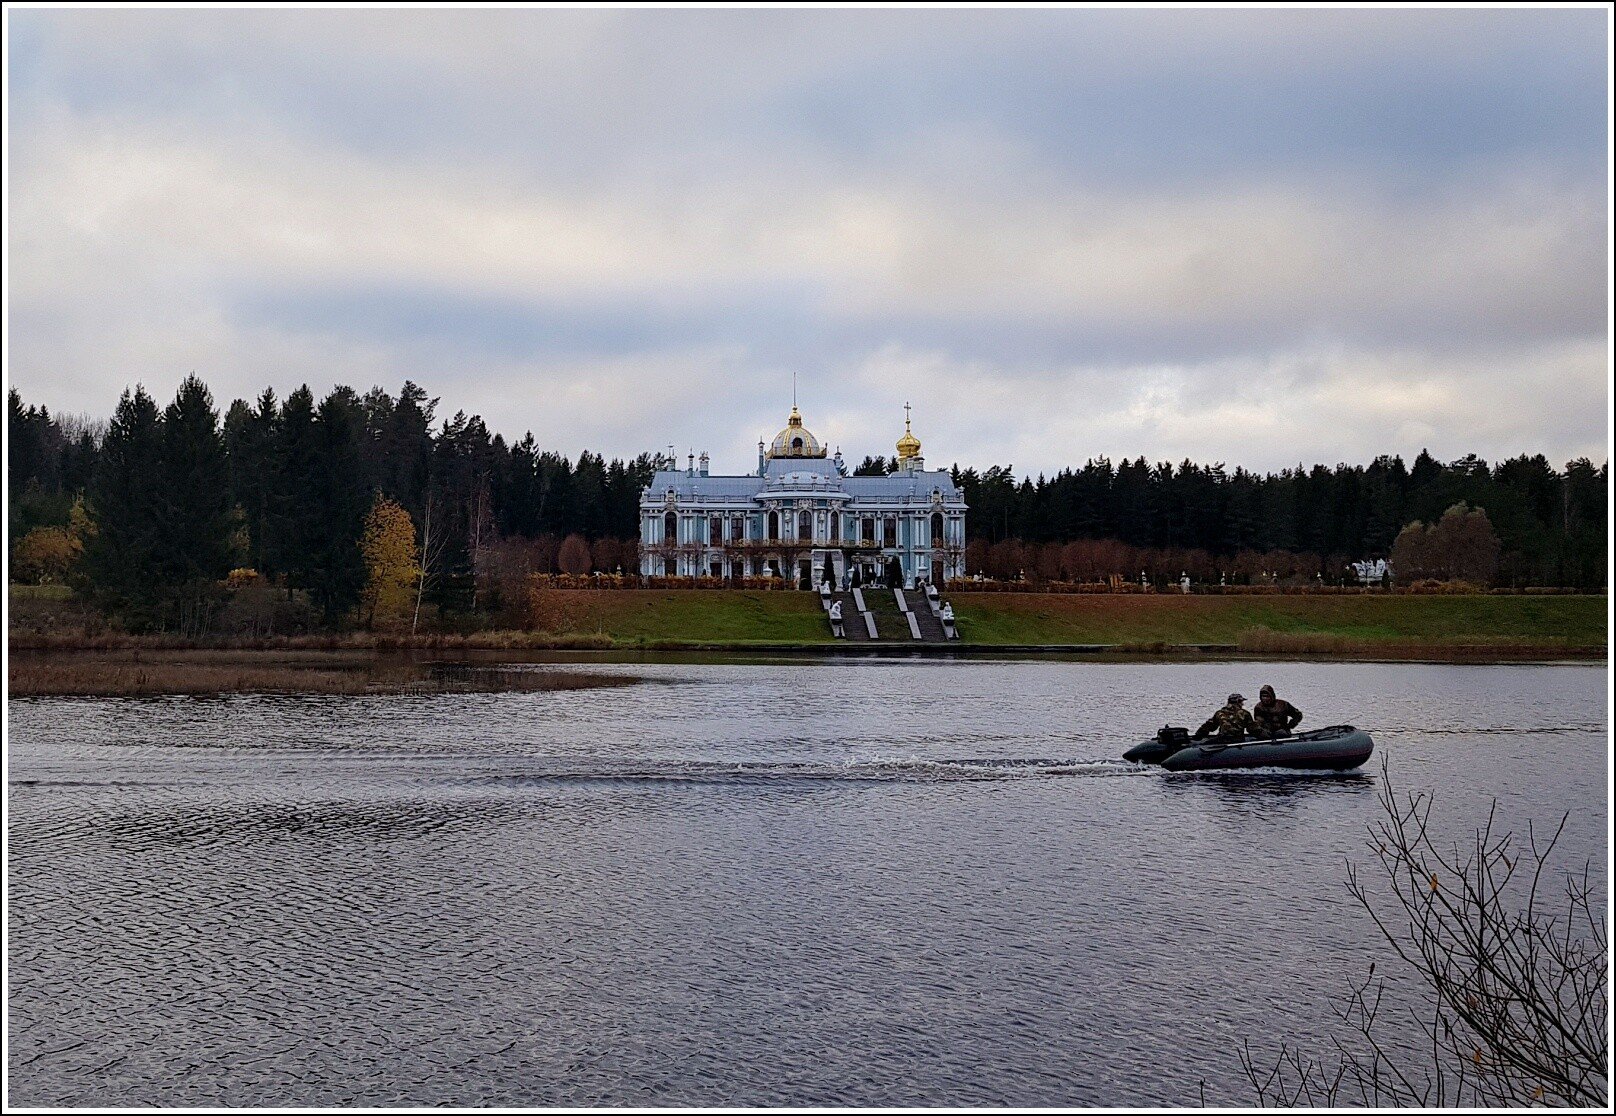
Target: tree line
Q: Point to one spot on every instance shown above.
(152, 509)
(1550, 524)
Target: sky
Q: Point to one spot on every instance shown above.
(1259, 237)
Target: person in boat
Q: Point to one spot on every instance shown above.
(1275, 716)
(1232, 722)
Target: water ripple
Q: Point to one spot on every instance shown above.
(883, 884)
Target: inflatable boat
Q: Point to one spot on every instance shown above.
(1337, 748)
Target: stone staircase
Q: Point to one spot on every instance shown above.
(853, 620)
(931, 626)
(888, 620)
(924, 624)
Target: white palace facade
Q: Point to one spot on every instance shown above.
(801, 516)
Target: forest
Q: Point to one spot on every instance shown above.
(151, 512)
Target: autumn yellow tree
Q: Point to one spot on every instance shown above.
(392, 563)
(43, 555)
(50, 554)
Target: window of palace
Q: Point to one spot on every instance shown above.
(737, 527)
(937, 528)
(805, 525)
(670, 528)
(774, 525)
(715, 530)
(867, 530)
(889, 532)
(836, 526)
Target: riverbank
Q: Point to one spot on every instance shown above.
(218, 671)
(1468, 628)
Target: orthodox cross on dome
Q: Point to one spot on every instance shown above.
(908, 445)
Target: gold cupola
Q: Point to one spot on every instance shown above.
(908, 445)
(795, 440)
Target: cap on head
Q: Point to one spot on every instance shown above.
(1266, 691)
(1236, 699)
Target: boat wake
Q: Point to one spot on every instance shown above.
(876, 771)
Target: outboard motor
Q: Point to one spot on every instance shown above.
(1173, 736)
(1169, 739)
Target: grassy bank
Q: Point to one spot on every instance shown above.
(1393, 624)
(147, 673)
(1290, 624)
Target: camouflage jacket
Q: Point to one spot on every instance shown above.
(1231, 720)
(1278, 716)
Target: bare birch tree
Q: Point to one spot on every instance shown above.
(1512, 960)
(434, 538)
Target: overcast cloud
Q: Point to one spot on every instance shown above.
(1259, 237)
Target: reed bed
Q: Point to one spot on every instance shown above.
(107, 639)
(97, 675)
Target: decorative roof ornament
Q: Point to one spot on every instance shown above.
(795, 440)
(908, 445)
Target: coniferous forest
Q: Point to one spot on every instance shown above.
(149, 513)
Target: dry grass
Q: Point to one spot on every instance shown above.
(145, 673)
(106, 639)
(1266, 641)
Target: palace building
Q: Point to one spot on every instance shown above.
(800, 516)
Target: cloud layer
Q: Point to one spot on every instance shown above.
(1256, 237)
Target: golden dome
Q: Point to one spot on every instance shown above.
(908, 445)
(795, 440)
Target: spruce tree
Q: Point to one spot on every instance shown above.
(194, 547)
(123, 556)
(250, 445)
(338, 498)
(291, 523)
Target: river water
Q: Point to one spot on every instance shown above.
(820, 882)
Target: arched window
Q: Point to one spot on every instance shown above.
(774, 525)
(805, 525)
(937, 528)
(836, 526)
(796, 445)
(670, 528)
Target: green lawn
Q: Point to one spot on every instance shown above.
(1048, 618)
(1003, 618)
(715, 616)
(1301, 624)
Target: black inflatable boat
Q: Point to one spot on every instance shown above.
(1337, 748)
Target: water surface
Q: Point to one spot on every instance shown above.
(817, 882)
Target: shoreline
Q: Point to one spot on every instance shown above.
(204, 673)
(154, 671)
